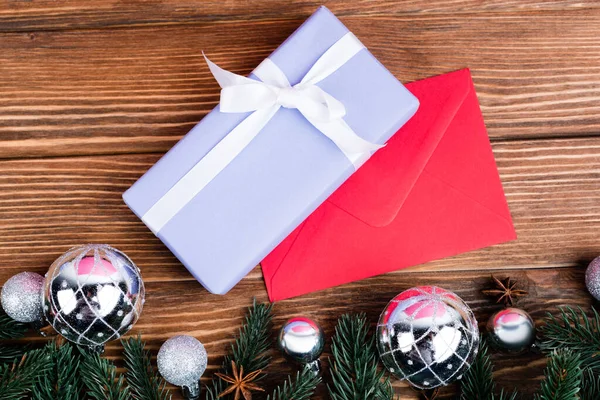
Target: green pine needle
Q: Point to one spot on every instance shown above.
(9, 328)
(562, 377)
(9, 353)
(574, 330)
(478, 382)
(506, 396)
(300, 389)
(18, 379)
(354, 371)
(144, 382)
(61, 380)
(590, 385)
(101, 379)
(250, 348)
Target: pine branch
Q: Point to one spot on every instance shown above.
(101, 379)
(506, 396)
(354, 371)
(574, 330)
(300, 389)
(590, 385)
(9, 328)
(562, 377)
(144, 382)
(10, 353)
(249, 349)
(478, 382)
(62, 380)
(18, 379)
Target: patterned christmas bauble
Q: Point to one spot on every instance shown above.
(93, 294)
(592, 278)
(21, 297)
(511, 329)
(428, 336)
(301, 339)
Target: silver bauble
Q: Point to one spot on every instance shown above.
(301, 340)
(592, 278)
(182, 361)
(21, 297)
(93, 294)
(511, 330)
(428, 336)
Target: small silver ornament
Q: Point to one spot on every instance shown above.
(428, 336)
(93, 294)
(181, 361)
(302, 340)
(511, 330)
(21, 297)
(592, 278)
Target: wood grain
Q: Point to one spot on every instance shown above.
(140, 89)
(93, 92)
(75, 14)
(48, 205)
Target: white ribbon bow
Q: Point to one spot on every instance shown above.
(263, 98)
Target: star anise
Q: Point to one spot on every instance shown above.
(240, 384)
(505, 291)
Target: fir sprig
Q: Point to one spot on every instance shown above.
(9, 328)
(144, 382)
(101, 378)
(354, 371)
(250, 348)
(299, 389)
(590, 385)
(574, 330)
(62, 380)
(562, 377)
(478, 382)
(9, 353)
(18, 379)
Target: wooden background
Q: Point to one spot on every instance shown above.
(93, 92)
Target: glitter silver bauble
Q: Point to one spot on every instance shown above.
(592, 278)
(182, 361)
(301, 340)
(428, 336)
(93, 294)
(511, 330)
(21, 297)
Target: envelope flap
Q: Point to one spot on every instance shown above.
(376, 192)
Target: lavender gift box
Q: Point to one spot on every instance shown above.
(283, 174)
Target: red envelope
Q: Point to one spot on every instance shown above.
(432, 192)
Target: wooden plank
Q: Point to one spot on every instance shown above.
(138, 90)
(174, 307)
(50, 15)
(48, 205)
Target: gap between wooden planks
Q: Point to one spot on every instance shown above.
(138, 90)
(77, 14)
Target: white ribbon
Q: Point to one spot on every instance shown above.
(263, 98)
